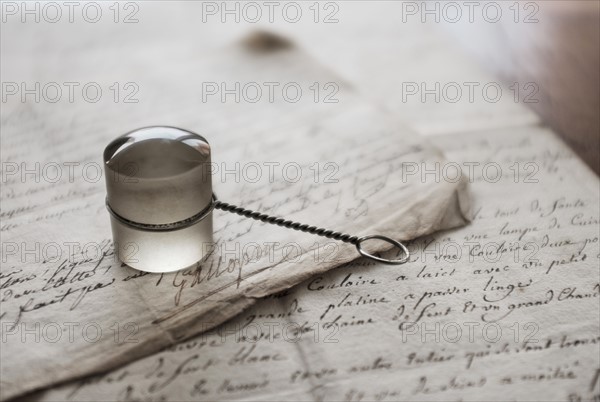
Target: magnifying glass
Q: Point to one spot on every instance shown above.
(161, 202)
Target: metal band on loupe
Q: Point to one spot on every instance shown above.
(165, 227)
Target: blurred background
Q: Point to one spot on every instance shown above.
(544, 54)
(560, 53)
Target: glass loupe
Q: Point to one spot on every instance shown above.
(159, 195)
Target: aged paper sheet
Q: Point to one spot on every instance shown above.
(348, 334)
(503, 309)
(60, 278)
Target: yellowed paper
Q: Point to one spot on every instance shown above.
(69, 308)
(503, 309)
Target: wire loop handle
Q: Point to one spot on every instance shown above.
(346, 238)
(393, 242)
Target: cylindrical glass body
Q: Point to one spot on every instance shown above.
(159, 194)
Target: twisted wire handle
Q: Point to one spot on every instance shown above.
(274, 220)
(356, 241)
